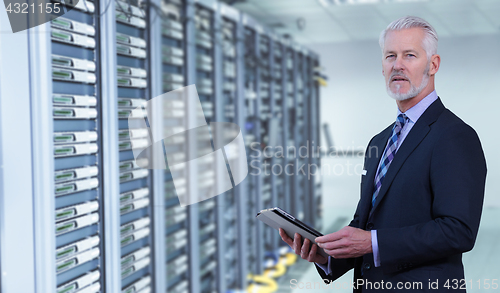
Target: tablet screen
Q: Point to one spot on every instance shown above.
(296, 221)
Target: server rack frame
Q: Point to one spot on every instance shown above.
(272, 98)
(43, 146)
(267, 245)
(16, 162)
(219, 112)
(241, 192)
(110, 156)
(193, 214)
(158, 183)
(314, 130)
(284, 96)
(304, 137)
(296, 202)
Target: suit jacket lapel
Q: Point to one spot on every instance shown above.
(375, 152)
(412, 140)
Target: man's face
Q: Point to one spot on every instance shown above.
(405, 64)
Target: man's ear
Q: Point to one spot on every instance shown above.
(435, 63)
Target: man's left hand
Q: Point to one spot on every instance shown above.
(348, 242)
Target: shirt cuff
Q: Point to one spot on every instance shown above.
(326, 267)
(376, 255)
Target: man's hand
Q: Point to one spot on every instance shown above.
(303, 249)
(348, 242)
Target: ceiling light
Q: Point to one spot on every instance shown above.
(355, 2)
(324, 3)
(410, 0)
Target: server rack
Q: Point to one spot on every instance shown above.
(279, 94)
(298, 141)
(290, 141)
(313, 124)
(276, 134)
(303, 140)
(174, 72)
(265, 120)
(77, 142)
(244, 74)
(205, 47)
(136, 185)
(227, 77)
(285, 76)
(252, 31)
(193, 211)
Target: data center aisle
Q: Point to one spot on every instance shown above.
(340, 194)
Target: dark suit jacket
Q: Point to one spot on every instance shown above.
(428, 210)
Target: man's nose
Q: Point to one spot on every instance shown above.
(398, 64)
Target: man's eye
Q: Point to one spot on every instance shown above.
(411, 55)
(389, 56)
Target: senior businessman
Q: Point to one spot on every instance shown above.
(423, 189)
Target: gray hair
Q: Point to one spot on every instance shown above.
(430, 42)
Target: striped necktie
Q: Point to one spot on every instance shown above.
(389, 153)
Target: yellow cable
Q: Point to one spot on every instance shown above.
(277, 271)
(272, 286)
(321, 81)
(268, 285)
(251, 289)
(265, 283)
(291, 258)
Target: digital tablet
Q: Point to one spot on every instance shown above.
(278, 218)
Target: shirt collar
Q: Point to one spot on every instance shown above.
(416, 111)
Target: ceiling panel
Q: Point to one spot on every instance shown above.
(491, 10)
(250, 9)
(324, 24)
(282, 4)
(341, 23)
(461, 17)
(366, 25)
(300, 11)
(327, 36)
(391, 12)
(323, 32)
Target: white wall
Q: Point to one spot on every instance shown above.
(356, 104)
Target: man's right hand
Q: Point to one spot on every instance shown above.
(303, 249)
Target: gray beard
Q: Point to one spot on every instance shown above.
(413, 92)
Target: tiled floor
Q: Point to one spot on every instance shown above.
(482, 263)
